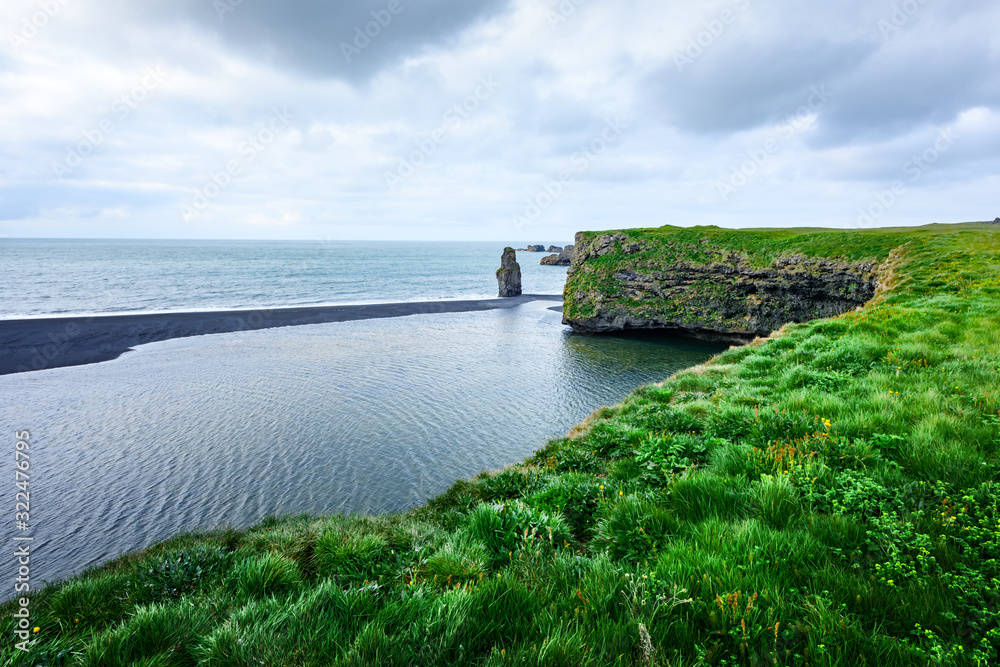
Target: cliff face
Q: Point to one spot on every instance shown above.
(708, 283)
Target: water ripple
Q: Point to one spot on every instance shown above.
(369, 416)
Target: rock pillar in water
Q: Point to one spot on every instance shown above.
(564, 258)
(509, 274)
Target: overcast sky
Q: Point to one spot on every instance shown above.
(520, 120)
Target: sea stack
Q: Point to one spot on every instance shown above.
(564, 258)
(509, 274)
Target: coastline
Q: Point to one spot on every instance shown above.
(57, 342)
(771, 500)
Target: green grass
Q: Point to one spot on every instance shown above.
(825, 497)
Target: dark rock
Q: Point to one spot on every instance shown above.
(554, 248)
(995, 222)
(509, 274)
(725, 301)
(536, 248)
(564, 258)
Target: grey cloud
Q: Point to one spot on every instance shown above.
(354, 121)
(884, 82)
(744, 85)
(309, 35)
(902, 88)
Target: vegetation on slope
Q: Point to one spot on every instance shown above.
(713, 281)
(824, 497)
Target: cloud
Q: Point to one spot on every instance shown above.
(350, 40)
(762, 64)
(700, 87)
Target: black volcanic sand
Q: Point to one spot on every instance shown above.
(41, 343)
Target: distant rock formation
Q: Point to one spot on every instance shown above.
(564, 258)
(554, 248)
(532, 248)
(509, 274)
(996, 222)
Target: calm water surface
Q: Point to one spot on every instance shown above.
(371, 416)
(41, 277)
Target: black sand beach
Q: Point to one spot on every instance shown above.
(42, 343)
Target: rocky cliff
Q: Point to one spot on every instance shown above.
(509, 274)
(719, 285)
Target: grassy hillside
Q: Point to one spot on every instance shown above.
(824, 497)
(742, 282)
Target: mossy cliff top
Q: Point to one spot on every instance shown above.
(728, 284)
(827, 496)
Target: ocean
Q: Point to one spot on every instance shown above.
(223, 430)
(74, 277)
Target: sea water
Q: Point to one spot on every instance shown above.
(72, 277)
(224, 430)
